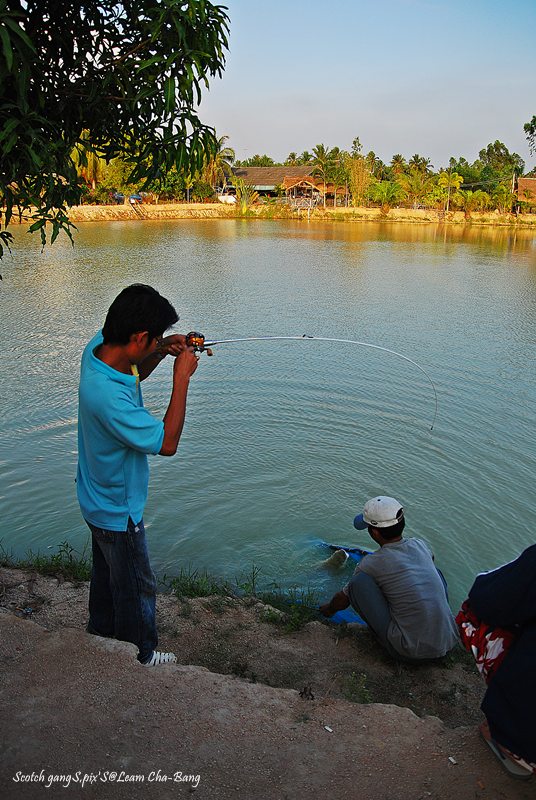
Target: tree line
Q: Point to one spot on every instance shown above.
(486, 183)
(361, 179)
(98, 97)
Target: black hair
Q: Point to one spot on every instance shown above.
(393, 531)
(138, 308)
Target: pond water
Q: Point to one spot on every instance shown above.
(284, 441)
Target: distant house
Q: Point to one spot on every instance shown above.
(266, 180)
(526, 191)
(295, 181)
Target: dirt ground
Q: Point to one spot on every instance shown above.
(253, 710)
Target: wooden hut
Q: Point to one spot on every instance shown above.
(267, 180)
(526, 191)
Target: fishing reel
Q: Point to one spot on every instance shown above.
(197, 341)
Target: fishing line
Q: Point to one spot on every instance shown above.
(201, 345)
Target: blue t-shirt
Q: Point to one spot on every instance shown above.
(115, 433)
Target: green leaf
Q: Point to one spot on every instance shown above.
(148, 63)
(37, 225)
(35, 158)
(20, 32)
(169, 94)
(8, 128)
(6, 46)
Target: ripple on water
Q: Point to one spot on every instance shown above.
(284, 441)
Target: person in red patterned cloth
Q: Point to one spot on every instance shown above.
(498, 626)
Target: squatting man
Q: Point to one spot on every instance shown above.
(397, 590)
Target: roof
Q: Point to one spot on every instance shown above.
(315, 183)
(526, 188)
(270, 177)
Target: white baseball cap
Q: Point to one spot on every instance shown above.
(381, 512)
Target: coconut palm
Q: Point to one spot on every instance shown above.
(324, 165)
(398, 164)
(218, 166)
(292, 160)
(375, 165)
(450, 182)
(483, 200)
(420, 163)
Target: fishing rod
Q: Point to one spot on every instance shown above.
(197, 341)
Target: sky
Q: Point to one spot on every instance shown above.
(431, 77)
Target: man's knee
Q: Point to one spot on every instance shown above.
(360, 587)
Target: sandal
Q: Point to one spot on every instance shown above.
(508, 763)
(161, 658)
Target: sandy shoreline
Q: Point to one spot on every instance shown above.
(257, 712)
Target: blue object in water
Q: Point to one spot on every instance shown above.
(348, 614)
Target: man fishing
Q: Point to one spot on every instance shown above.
(115, 435)
(397, 589)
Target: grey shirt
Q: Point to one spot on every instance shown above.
(422, 624)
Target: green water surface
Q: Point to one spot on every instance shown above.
(285, 441)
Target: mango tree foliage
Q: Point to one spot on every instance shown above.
(530, 130)
(499, 162)
(129, 73)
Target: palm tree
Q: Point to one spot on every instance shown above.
(387, 193)
(416, 186)
(398, 164)
(324, 162)
(450, 182)
(504, 198)
(292, 160)
(467, 200)
(375, 165)
(420, 163)
(306, 157)
(483, 200)
(218, 166)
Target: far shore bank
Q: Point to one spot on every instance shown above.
(123, 213)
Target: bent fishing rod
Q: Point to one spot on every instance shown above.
(197, 341)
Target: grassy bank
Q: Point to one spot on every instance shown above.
(289, 608)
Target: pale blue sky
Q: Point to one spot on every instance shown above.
(431, 77)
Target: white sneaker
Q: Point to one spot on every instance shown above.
(161, 658)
